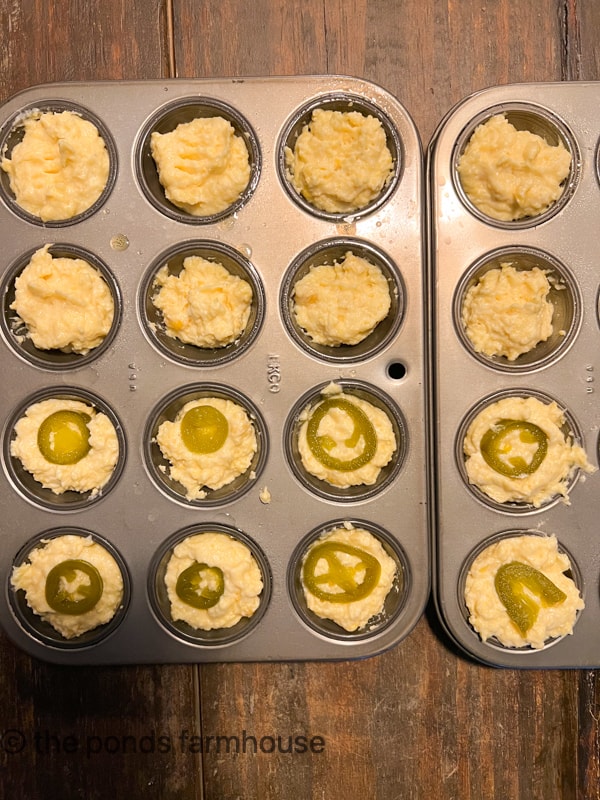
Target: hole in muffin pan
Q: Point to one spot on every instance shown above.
(24, 482)
(329, 252)
(394, 602)
(13, 133)
(166, 120)
(321, 488)
(161, 606)
(493, 643)
(537, 120)
(564, 295)
(236, 264)
(39, 628)
(343, 102)
(159, 467)
(16, 333)
(570, 429)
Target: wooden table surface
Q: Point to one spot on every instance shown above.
(420, 721)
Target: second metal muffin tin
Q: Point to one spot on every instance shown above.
(139, 373)
(566, 369)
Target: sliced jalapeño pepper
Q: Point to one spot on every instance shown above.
(515, 583)
(73, 587)
(64, 437)
(204, 429)
(320, 445)
(340, 574)
(200, 585)
(495, 447)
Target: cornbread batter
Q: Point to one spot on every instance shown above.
(221, 600)
(489, 616)
(352, 442)
(341, 161)
(91, 472)
(510, 174)
(205, 305)
(32, 575)
(64, 302)
(227, 447)
(536, 484)
(507, 313)
(341, 303)
(350, 614)
(202, 165)
(60, 167)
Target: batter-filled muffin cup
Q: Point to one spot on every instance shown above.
(64, 449)
(58, 163)
(205, 444)
(209, 584)
(342, 299)
(345, 441)
(521, 451)
(69, 588)
(515, 166)
(61, 307)
(198, 160)
(521, 590)
(348, 580)
(340, 156)
(517, 309)
(202, 303)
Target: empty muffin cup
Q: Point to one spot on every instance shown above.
(42, 586)
(222, 160)
(209, 585)
(64, 448)
(517, 309)
(74, 322)
(85, 178)
(520, 451)
(515, 165)
(342, 299)
(205, 444)
(187, 318)
(361, 578)
(340, 157)
(520, 590)
(345, 441)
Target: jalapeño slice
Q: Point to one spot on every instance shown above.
(495, 447)
(204, 429)
(321, 445)
(344, 576)
(64, 437)
(73, 587)
(200, 585)
(515, 583)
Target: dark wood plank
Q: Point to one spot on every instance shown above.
(92, 733)
(420, 721)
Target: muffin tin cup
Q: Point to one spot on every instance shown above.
(12, 132)
(159, 599)
(16, 332)
(330, 252)
(184, 352)
(142, 378)
(343, 102)
(24, 482)
(42, 631)
(463, 245)
(394, 601)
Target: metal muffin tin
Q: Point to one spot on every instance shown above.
(463, 245)
(140, 376)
